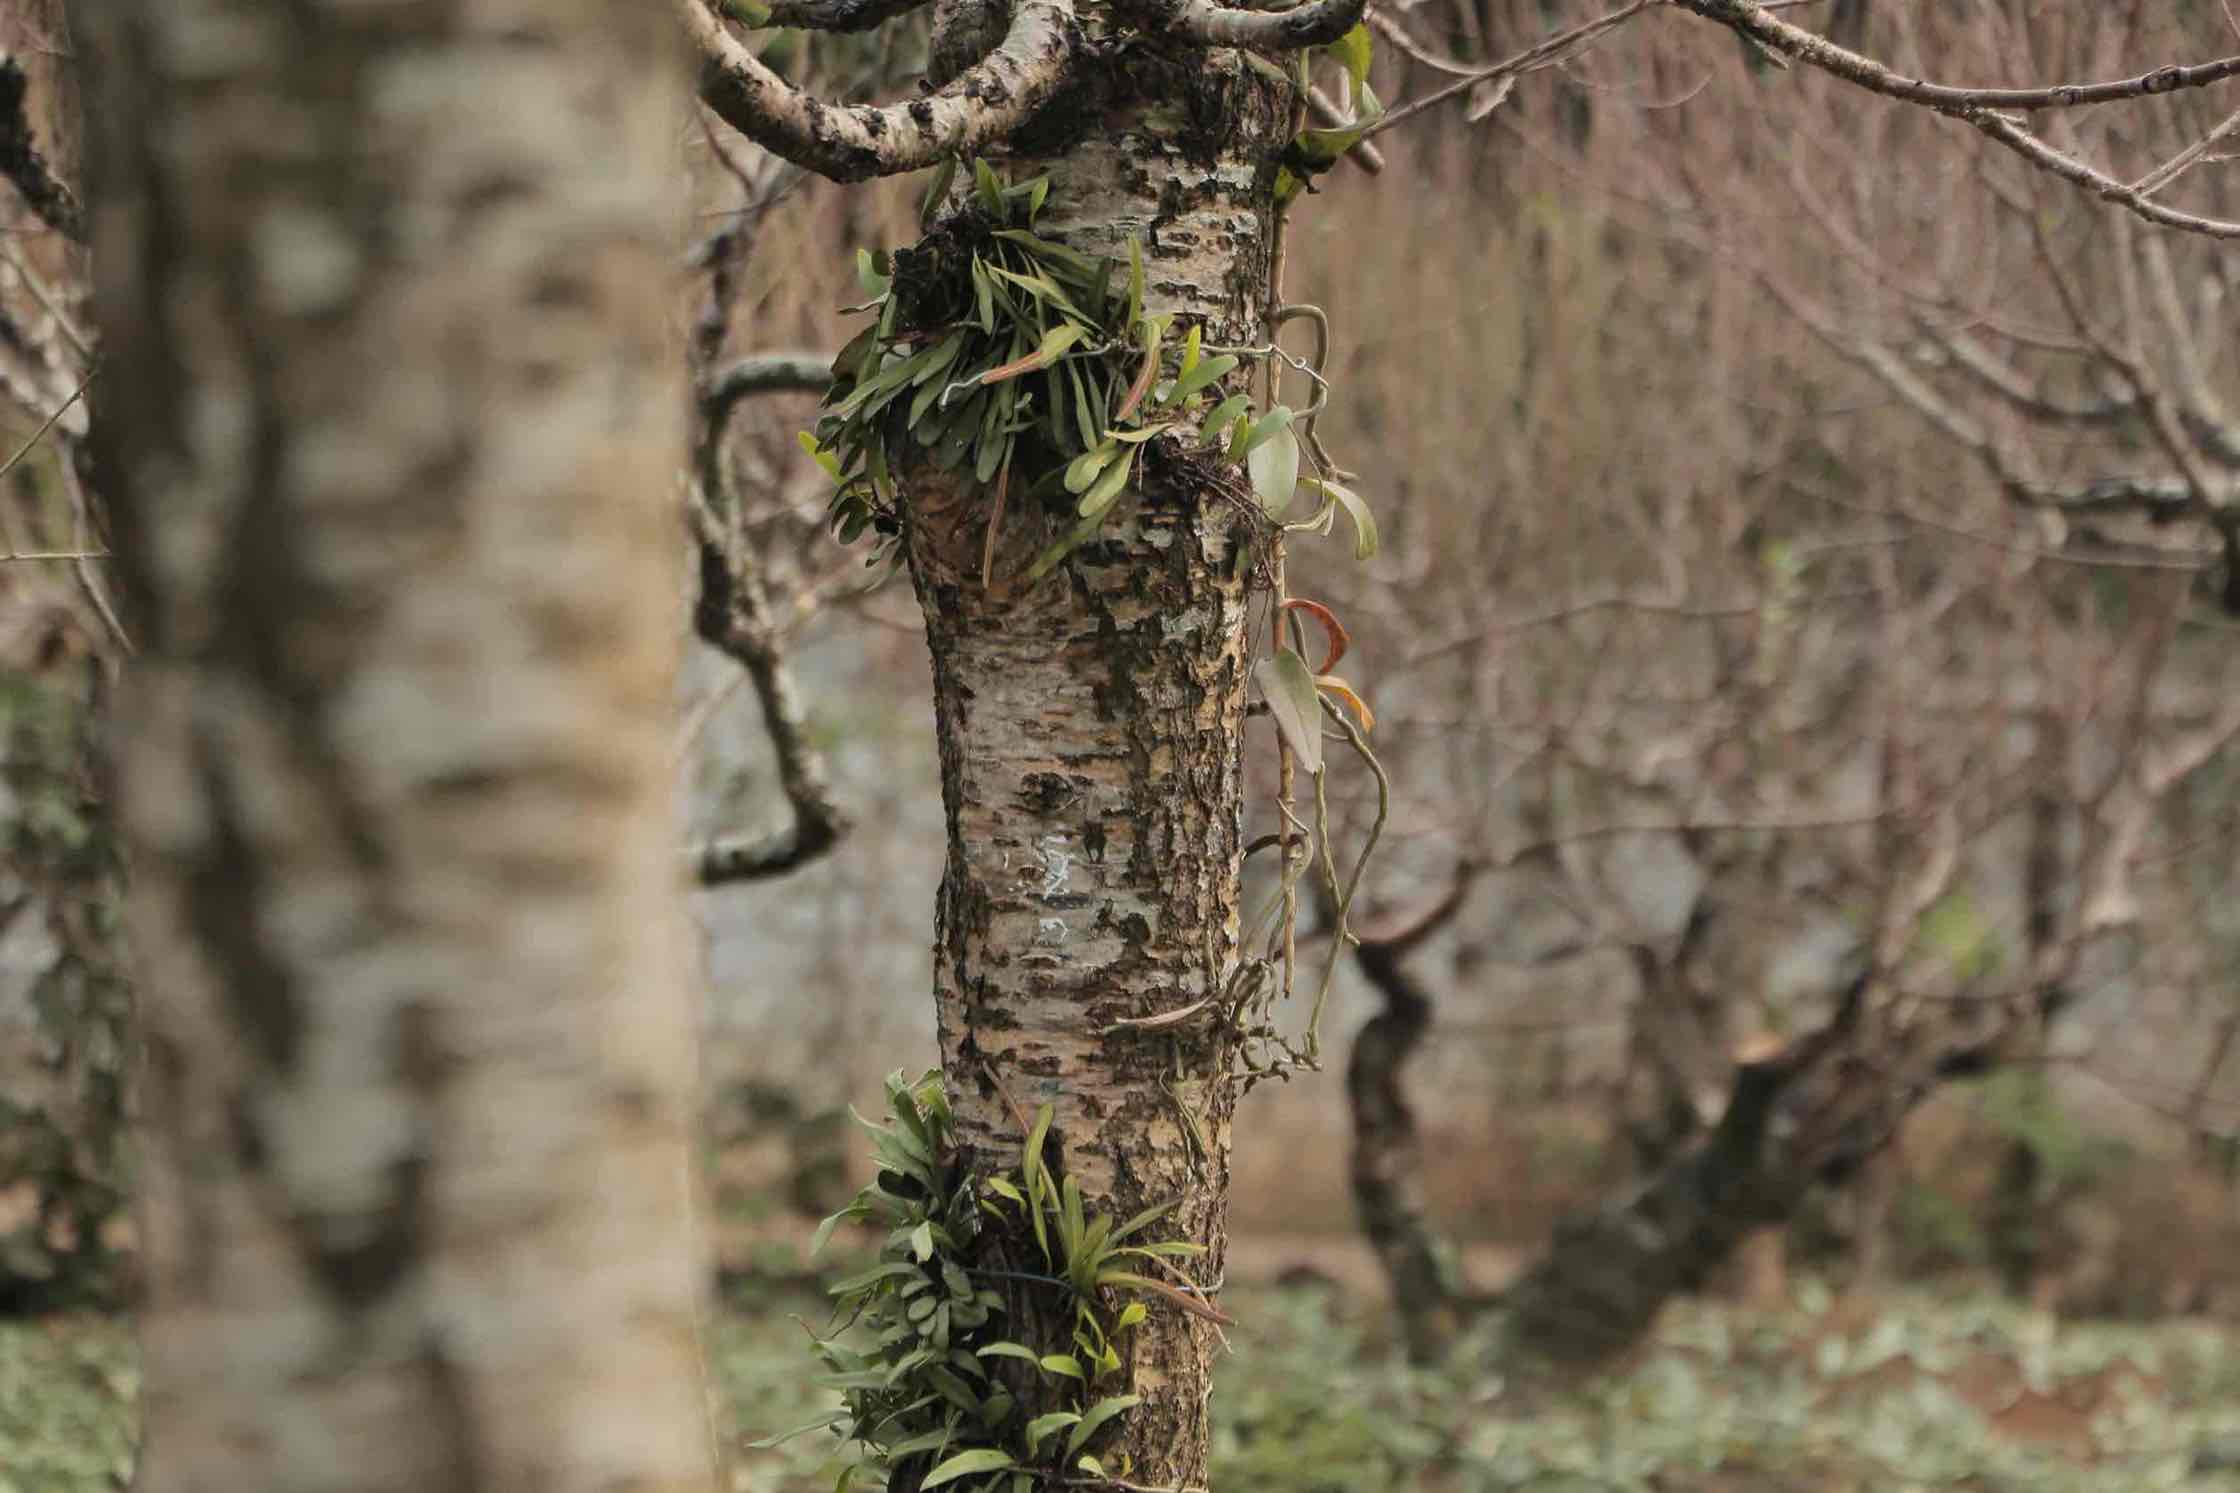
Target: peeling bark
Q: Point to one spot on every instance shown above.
(1090, 733)
(390, 416)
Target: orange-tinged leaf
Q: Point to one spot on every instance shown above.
(1332, 684)
(1140, 387)
(1332, 629)
(1054, 342)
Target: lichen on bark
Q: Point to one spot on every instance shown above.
(1090, 730)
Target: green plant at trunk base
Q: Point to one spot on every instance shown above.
(927, 1390)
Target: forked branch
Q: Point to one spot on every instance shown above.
(985, 102)
(733, 614)
(1990, 109)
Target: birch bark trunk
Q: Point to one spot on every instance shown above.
(1090, 731)
(390, 418)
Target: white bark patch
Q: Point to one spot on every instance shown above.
(307, 261)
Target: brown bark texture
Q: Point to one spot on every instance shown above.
(1090, 730)
(391, 421)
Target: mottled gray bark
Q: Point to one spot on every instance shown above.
(1090, 730)
(391, 421)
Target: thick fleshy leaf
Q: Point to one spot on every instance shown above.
(1043, 1425)
(990, 187)
(1083, 471)
(1352, 52)
(1288, 686)
(1106, 490)
(1194, 379)
(1104, 1411)
(1273, 466)
(1054, 342)
(965, 1464)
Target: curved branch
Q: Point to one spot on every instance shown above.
(762, 373)
(2099, 183)
(1997, 376)
(985, 102)
(1314, 24)
(1980, 106)
(733, 615)
(1542, 53)
(1755, 22)
(836, 15)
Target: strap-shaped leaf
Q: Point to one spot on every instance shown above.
(1102, 1412)
(965, 1464)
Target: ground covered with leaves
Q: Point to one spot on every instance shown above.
(1833, 1396)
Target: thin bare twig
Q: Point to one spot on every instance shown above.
(1982, 107)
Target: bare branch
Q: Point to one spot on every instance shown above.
(983, 103)
(2170, 170)
(20, 160)
(763, 373)
(1314, 24)
(1396, 941)
(2002, 378)
(1755, 22)
(1540, 54)
(2162, 499)
(1980, 106)
(2099, 183)
(836, 15)
(733, 615)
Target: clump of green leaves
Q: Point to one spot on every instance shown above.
(924, 1385)
(1004, 355)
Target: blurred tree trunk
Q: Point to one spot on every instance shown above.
(1387, 1162)
(390, 419)
(1813, 1112)
(1090, 729)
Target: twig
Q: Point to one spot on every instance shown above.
(1538, 55)
(44, 426)
(1980, 106)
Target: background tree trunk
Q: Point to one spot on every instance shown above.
(390, 420)
(1386, 1167)
(1090, 731)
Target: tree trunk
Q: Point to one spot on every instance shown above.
(1090, 731)
(391, 421)
(1387, 1163)
(1387, 1166)
(1814, 1112)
